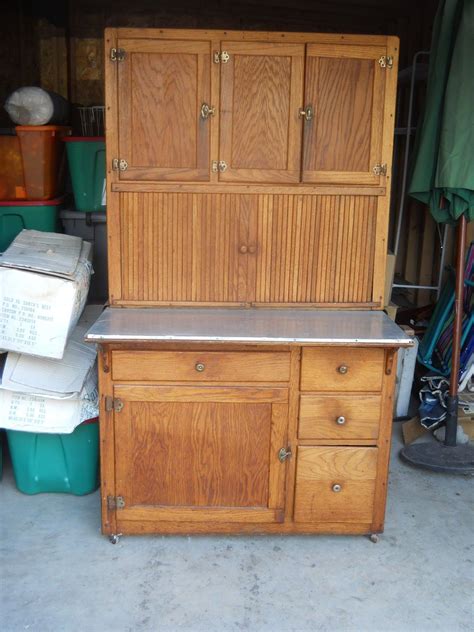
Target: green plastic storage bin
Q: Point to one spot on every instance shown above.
(67, 463)
(86, 158)
(15, 216)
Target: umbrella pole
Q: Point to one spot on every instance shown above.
(452, 403)
(447, 456)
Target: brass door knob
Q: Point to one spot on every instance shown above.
(307, 113)
(243, 249)
(342, 369)
(200, 367)
(341, 420)
(337, 488)
(207, 111)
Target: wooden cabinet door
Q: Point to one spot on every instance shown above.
(261, 95)
(162, 85)
(200, 453)
(344, 86)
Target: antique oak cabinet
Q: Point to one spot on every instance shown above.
(246, 368)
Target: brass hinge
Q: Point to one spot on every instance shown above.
(380, 170)
(221, 57)
(115, 502)
(117, 54)
(220, 165)
(119, 164)
(113, 404)
(386, 61)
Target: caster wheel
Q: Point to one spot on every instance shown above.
(114, 538)
(374, 538)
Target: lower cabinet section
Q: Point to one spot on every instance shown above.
(200, 439)
(335, 484)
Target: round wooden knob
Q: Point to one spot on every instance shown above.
(252, 249)
(243, 249)
(336, 488)
(342, 369)
(200, 367)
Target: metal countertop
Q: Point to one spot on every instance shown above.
(248, 326)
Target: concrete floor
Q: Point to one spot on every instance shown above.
(58, 574)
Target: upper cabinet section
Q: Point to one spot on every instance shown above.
(344, 95)
(260, 132)
(162, 85)
(237, 111)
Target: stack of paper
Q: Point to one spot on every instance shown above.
(50, 395)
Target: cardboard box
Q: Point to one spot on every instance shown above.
(44, 282)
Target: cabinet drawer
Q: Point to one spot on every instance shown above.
(201, 366)
(342, 369)
(339, 416)
(335, 484)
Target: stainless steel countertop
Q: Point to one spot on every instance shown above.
(249, 326)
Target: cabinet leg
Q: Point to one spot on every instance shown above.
(374, 538)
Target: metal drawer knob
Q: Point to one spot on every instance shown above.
(341, 420)
(200, 367)
(342, 369)
(336, 487)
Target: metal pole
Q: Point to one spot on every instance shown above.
(452, 403)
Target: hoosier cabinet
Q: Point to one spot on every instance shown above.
(246, 368)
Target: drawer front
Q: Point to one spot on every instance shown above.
(201, 366)
(335, 484)
(339, 416)
(342, 369)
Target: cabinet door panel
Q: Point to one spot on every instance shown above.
(200, 458)
(261, 93)
(184, 247)
(345, 87)
(162, 85)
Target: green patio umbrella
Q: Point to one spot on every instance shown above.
(443, 178)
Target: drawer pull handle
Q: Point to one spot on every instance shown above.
(200, 367)
(341, 420)
(337, 487)
(342, 369)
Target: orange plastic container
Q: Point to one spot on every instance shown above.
(12, 183)
(43, 159)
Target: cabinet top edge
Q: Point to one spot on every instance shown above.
(248, 326)
(273, 36)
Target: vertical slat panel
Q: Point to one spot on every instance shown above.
(185, 247)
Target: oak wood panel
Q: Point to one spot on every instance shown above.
(343, 141)
(320, 468)
(195, 454)
(320, 369)
(315, 249)
(196, 517)
(261, 93)
(210, 526)
(319, 414)
(222, 366)
(385, 438)
(107, 444)
(186, 248)
(181, 393)
(161, 87)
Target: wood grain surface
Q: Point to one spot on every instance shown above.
(319, 469)
(218, 248)
(222, 366)
(162, 86)
(320, 369)
(319, 413)
(261, 92)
